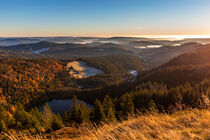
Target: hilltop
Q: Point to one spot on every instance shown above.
(188, 124)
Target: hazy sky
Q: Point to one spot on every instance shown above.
(104, 17)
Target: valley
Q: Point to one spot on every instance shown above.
(77, 81)
(154, 52)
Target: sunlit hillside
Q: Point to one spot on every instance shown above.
(181, 125)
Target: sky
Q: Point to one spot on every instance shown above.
(32, 18)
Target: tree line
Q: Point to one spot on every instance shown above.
(145, 97)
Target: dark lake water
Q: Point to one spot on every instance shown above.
(59, 106)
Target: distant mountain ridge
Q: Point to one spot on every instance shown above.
(153, 52)
(191, 67)
(9, 41)
(68, 49)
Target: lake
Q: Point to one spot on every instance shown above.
(61, 105)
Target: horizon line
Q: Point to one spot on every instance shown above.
(178, 37)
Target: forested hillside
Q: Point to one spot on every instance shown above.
(190, 67)
(182, 82)
(25, 79)
(199, 57)
(66, 50)
(155, 57)
(115, 67)
(116, 63)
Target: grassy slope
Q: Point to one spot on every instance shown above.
(189, 124)
(181, 125)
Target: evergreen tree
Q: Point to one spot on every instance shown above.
(35, 112)
(74, 114)
(37, 119)
(152, 107)
(66, 117)
(176, 97)
(6, 117)
(84, 112)
(3, 126)
(79, 112)
(35, 125)
(109, 109)
(2, 110)
(126, 105)
(22, 119)
(27, 121)
(57, 122)
(48, 116)
(98, 112)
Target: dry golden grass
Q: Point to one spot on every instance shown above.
(182, 125)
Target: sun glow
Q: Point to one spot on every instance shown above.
(174, 37)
